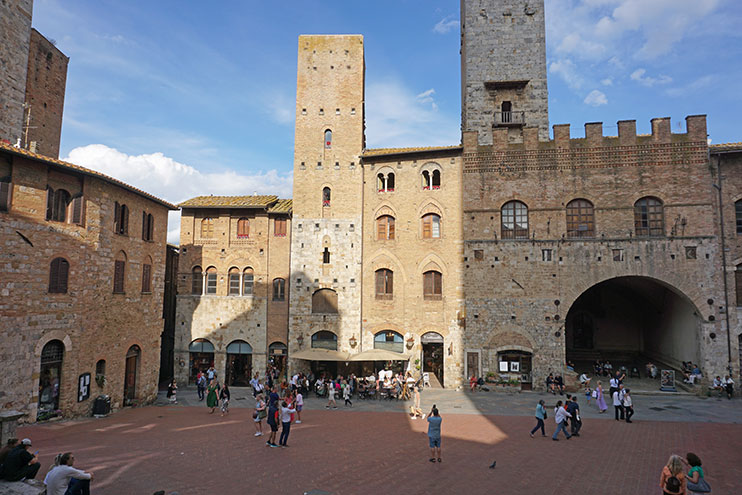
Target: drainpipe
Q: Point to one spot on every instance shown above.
(724, 263)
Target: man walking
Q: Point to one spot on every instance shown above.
(560, 417)
(434, 434)
(573, 408)
(201, 385)
(628, 405)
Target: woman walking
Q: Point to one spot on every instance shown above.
(346, 394)
(415, 410)
(331, 395)
(224, 396)
(599, 399)
(560, 416)
(540, 417)
(286, 413)
(696, 482)
(299, 404)
(672, 479)
(212, 400)
(259, 414)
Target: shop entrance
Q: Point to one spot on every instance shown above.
(201, 353)
(130, 378)
(49, 379)
(277, 356)
(239, 364)
(433, 355)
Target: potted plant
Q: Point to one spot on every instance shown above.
(491, 377)
(417, 364)
(100, 379)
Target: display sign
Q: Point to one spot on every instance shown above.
(667, 381)
(83, 387)
(503, 366)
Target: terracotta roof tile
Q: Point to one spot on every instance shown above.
(77, 168)
(726, 147)
(252, 201)
(395, 151)
(281, 206)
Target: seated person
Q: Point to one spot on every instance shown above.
(473, 383)
(717, 384)
(608, 368)
(550, 383)
(20, 463)
(696, 370)
(687, 368)
(584, 380)
(570, 365)
(598, 368)
(66, 480)
(559, 384)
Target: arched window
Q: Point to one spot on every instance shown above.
(279, 289)
(56, 204)
(385, 228)
(436, 179)
(326, 196)
(148, 226)
(390, 182)
(197, 281)
(389, 340)
(207, 228)
(426, 179)
(211, 276)
(514, 220)
(738, 215)
(100, 368)
(147, 275)
(119, 273)
(248, 278)
(507, 109)
(432, 285)
(120, 218)
(649, 218)
(326, 256)
(328, 138)
(243, 228)
(384, 283)
(58, 273)
(431, 226)
(325, 301)
(325, 340)
(431, 176)
(385, 182)
(50, 375)
(580, 218)
(234, 282)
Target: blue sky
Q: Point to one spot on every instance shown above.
(185, 98)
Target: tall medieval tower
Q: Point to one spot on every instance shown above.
(325, 284)
(503, 68)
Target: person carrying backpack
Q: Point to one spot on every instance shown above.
(672, 479)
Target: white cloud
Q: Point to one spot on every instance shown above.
(639, 76)
(172, 181)
(607, 82)
(567, 70)
(596, 98)
(427, 97)
(445, 25)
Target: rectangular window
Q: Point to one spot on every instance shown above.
(118, 277)
(546, 255)
(279, 227)
(243, 228)
(5, 188)
(478, 254)
(384, 284)
(279, 289)
(77, 206)
(738, 287)
(147, 278)
(247, 283)
(234, 284)
(618, 255)
(211, 283)
(432, 286)
(737, 212)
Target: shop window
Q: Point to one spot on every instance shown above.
(514, 220)
(197, 281)
(234, 282)
(279, 289)
(431, 226)
(384, 284)
(649, 217)
(58, 274)
(432, 285)
(211, 280)
(248, 279)
(120, 218)
(243, 228)
(580, 219)
(119, 273)
(389, 340)
(385, 228)
(207, 228)
(325, 301)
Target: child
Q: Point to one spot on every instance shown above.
(346, 394)
(299, 405)
(172, 389)
(588, 394)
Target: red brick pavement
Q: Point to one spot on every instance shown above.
(185, 449)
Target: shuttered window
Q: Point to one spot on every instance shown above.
(385, 228)
(384, 284)
(431, 226)
(77, 206)
(58, 273)
(197, 281)
(5, 188)
(243, 228)
(119, 270)
(146, 278)
(279, 227)
(121, 219)
(148, 226)
(432, 285)
(211, 277)
(207, 228)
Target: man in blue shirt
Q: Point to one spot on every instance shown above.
(434, 434)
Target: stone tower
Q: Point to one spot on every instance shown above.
(15, 35)
(328, 191)
(503, 68)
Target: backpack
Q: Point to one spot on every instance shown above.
(672, 484)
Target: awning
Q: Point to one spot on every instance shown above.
(320, 355)
(379, 355)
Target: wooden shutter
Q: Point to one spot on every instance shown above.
(738, 285)
(390, 223)
(144, 225)
(146, 278)
(150, 227)
(124, 220)
(54, 276)
(5, 196)
(49, 203)
(427, 227)
(116, 217)
(243, 227)
(77, 203)
(428, 283)
(118, 276)
(381, 228)
(437, 283)
(64, 270)
(379, 282)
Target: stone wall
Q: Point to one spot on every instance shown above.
(15, 34)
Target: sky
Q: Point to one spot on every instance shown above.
(188, 98)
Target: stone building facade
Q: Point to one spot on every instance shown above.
(232, 302)
(82, 264)
(15, 36)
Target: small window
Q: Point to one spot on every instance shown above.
(243, 228)
(649, 218)
(58, 274)
(6, 185)
(478, 254)
(507, 112)
(432, 285)
(384, 284)
(431, 226)
(211, 280)
(207, 228)
(248, 279)
(56, 204)
(617, 254)
(690, 252)
(514, 220)
(580, 219)
(279, 227)
(328, 139)
(234, 282)
(385, 228)
(279, 289)
(546, 255)
(119, 273)
(326, 197)
(148, 226)
(325, 340)
(426, 180)
(100, 368)
(436, 179)
(147, 276)
(326, 256)
(197, 281)
(121, 219)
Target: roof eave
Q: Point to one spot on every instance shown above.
(414, 152)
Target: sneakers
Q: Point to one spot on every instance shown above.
(273, 445)
(531, 435)
(297, 421)
(257, 433)
(414, 417)
(555, 439)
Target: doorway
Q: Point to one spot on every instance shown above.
(201, 353)
(472, 364)
(239, 364)
(130, 378)
(277, 356)
(50, 376)
(432, 343)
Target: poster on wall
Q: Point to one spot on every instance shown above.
(515, 366)
(667, 381)
(83, 388)
(503, 366)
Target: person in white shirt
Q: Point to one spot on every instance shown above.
(299, 406)
(286, 413)
(64, 477)
(729, 385)
(617, 405)
(560, 417)
(254, 384)
(628, 405)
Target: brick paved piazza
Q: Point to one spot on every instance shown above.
(375, 448)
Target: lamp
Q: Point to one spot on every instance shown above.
(410, 342)
(353, 341)
(300, 340)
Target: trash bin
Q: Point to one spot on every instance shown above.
(102, 405)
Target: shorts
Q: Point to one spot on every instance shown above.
(434, 442)
(273, 425)
(258, 419)
(298, 407)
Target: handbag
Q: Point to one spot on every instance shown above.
(262, 414)
(595, 394)
(255, 415)
(701, 487)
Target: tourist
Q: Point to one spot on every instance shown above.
(346, 394)
(172, 391)
(20, 463)
(540, 418)
(608, 368)
(434, 434)
(717, 385)
(559, 383)
(286, 413)
(598, 367)
(589, 394)
(10, 445)
(259, 414)
(201, 385)
(272, 420)
(613, 385)
(560, 417)
(584, 380)
(299, 404)
(729, 386)
(599, 399)
(617, 405)
(66, 480)
(254, 382)
(210, 374)
(212, 399)
(573, 408)
(331, 396)
(224, 397)
(550, 383)
(628, 405)
(696, 483)
(672, 479)
(415, 410)
(473, 383)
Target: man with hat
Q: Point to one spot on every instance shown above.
(21, 463)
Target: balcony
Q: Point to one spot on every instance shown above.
(510, 119)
